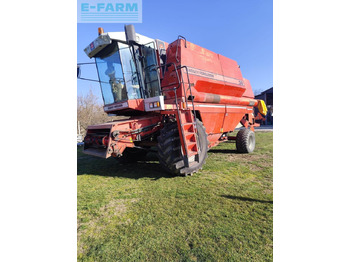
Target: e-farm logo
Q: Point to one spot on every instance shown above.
(109, 11)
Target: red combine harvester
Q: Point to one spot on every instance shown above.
(180, 97)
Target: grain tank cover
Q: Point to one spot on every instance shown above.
(208, 71)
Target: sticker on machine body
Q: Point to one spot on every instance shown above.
(116, 106)
(214, 76)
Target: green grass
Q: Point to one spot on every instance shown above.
(136, 212)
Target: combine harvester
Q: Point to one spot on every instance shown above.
(180, 97)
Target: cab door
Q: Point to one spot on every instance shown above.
(150, 70)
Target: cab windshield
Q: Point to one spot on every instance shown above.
(117, 74)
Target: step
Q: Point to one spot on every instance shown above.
(186, 117)
(191, 154)
(190, 136)
(192, 147)
(188, 127)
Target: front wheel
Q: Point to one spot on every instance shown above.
(170, 153)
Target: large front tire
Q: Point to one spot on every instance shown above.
(170, 154)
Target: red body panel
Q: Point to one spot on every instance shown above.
(221, 95)
(209, 72)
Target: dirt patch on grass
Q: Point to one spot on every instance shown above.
(244, 157)
(117, 206)
(254, 168)
(254, 162)
(268, 191)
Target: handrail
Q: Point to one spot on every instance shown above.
(185, 93)
(177, 45)
(177, 75)
(181, 83)
(176, 68)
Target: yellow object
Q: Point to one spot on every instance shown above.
(262, 107)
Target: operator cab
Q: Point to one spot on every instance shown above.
(128, 72)
(117, 73)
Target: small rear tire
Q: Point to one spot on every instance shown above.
(245, 141)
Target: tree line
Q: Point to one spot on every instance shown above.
(90, 111)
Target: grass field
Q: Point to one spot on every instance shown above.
(136, 212)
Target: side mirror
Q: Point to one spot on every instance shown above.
(78, 71)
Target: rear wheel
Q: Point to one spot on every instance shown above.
(245, 141)
(170, 153)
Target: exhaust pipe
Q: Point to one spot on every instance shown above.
(130, 34)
